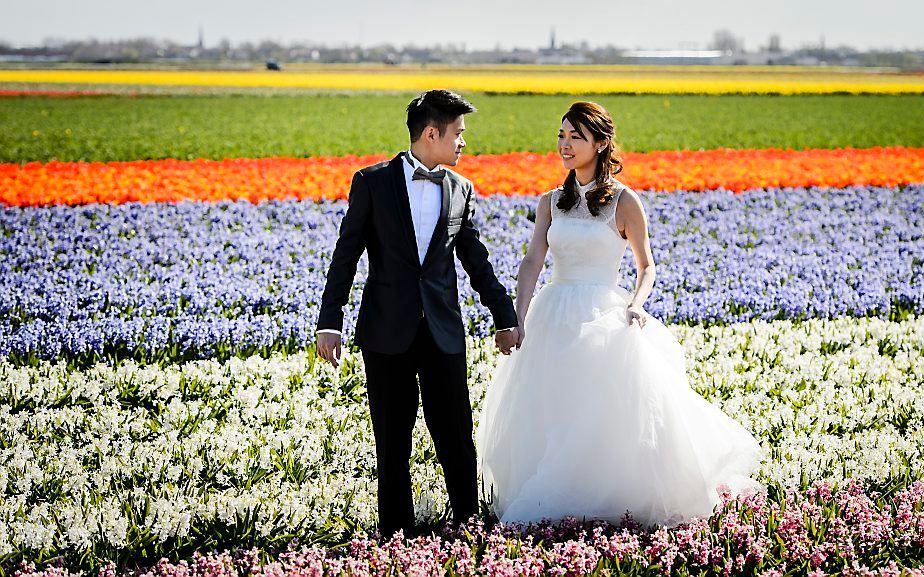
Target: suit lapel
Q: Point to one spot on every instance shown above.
(441, 222)
(403, 205)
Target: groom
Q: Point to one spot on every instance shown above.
(410, 213)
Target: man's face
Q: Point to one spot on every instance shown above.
(448, 147)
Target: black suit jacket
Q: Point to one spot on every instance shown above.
(398, 288)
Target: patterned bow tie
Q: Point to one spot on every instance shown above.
(435, 177)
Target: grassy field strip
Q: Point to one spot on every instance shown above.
(104, 128)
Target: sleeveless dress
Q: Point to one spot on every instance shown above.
(593, 417)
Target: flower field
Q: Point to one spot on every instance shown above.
(146, 457)
(516, 79)
(170, 282)
(522, 173)
(163, 412)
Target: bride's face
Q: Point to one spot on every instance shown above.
(575, 149)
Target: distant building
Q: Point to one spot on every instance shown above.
(674, 56)
(561, 55)
(774, 44)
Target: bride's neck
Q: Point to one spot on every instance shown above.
(584, 177)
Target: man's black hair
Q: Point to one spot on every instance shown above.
(437, 107)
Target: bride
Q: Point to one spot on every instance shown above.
(592, 415)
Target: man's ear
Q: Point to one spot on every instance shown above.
(431, 133)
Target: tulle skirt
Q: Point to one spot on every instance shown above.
(593, 418)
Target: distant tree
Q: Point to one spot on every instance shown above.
(726, 41)
(224, 47)
(774, 44)
(270, 49)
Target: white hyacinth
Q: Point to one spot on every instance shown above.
(290, 437)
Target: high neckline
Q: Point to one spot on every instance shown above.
(585, 188)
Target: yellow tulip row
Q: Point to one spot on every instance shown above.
(506, 79)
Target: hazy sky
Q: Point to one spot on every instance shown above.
(477, 23)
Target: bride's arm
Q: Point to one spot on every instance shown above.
(636, 226)
(532, 263)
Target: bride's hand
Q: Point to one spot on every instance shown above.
(521, 335)
(635, 312)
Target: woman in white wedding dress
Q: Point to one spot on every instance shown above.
(592, 415)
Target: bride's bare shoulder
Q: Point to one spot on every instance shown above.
(546, 199)
(630, 196)
(629, 206)
(551, 195)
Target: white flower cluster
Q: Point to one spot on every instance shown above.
(97, 456)
(830, 399)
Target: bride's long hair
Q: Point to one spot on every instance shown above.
(598, 121)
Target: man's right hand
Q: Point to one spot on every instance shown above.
(329, 348)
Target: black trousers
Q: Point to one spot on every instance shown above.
(393, 400)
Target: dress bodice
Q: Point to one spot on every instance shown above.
(585, 248)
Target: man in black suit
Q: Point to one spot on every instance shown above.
(410, 213)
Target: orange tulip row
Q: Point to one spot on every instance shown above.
(258, 179)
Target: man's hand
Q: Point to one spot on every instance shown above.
(329, 348)
(506, 340)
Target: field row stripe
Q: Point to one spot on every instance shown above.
(606, 80)
(314, 178)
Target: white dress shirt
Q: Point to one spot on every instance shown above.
(426, 198)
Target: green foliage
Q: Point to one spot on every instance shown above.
(220, 126)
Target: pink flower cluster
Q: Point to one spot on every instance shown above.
(847, 531)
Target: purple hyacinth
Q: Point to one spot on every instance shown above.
(196, 280)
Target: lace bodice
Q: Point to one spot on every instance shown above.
(585, 249)
(580, 210)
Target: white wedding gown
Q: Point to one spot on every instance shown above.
(592, 417)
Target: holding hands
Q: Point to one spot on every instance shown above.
(329, 344)
(634, 312)
(506, 340)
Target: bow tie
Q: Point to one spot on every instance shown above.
(435, 177)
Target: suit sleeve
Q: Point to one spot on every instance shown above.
(350, 246)
(474, 258)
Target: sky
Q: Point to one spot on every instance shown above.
(478, 24)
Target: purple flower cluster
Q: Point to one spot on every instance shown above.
(848, 531)
(197, 280)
